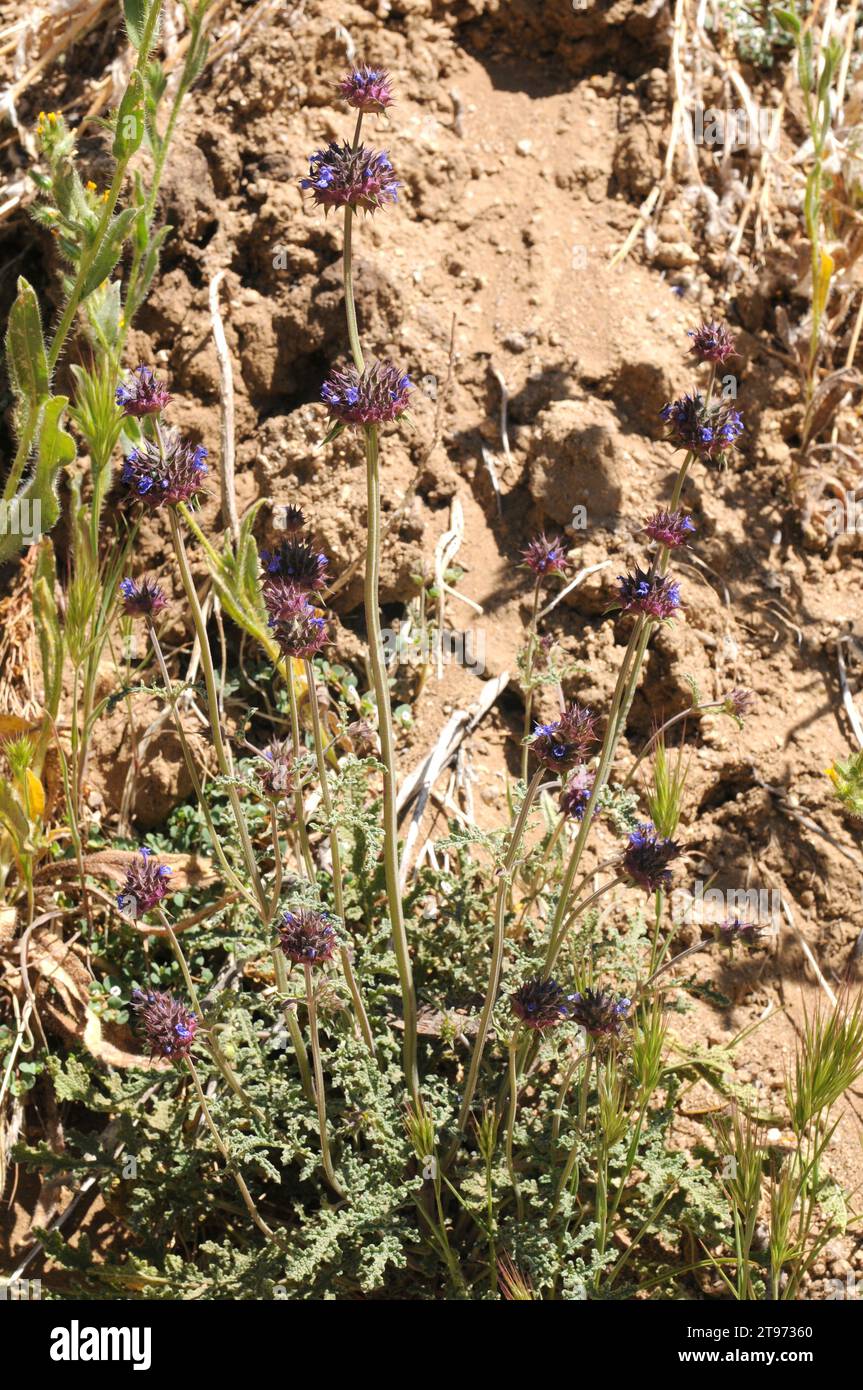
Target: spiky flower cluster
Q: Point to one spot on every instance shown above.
(712, 342)
(599, 1013)
(541, 1003)
(165, 473)
(576, 794)
(367, 89)
(341, 176)
(168, 1025)
(647, 856)
(739, 702)
(565, 742)
(143, 395)
(296, 562)
(709, 432)
(376, 396)
(545, 556)
(141, 598)
(732, 930)
(145, 886)
(298, 627)
(670, 528)
(277, 769)
(652, 595)
(307, 936)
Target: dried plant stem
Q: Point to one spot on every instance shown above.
(385, 731)
(338, 894)
(217, 1139)
(497, 949)
(320, 1096)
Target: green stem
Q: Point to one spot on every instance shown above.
(510, 1127)
(320, 1097)
(528, 676)
(222, 755)
(385, 729)
(338, 893)
(296, 743)
(229, 1162)
(218, 1055)
(193, 774)
(497, 950)
(350, 305)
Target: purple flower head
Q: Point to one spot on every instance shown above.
(739, 702)
(541, 1003)
(298, 562)
(647, 857)
(168, 1025)
(376, 396)
(142, 598)
(143, 395)
(545, 556)
(307, 936)
(157, 477)
(653, 595)
(599, 1013)
(706, 432)
(340, 176)
(276, 771)
(669, 528)
(367, 89)
(146, 885)
(712, 342)
(577, 792)
(298, 627)
(733, 930)
(565, 742)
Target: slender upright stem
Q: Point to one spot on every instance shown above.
(338, 891)
(222, 754)
(320, 1096)
(510, 1127)
(193, 773)
(528, 680)
(217, 1138)
(217, 1054)
(299, 807)
(300, 1049)
(577, 911)
(385, 731)
(350, 305)
(497, 950)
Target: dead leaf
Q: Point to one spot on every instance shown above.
(188, 870)
(63, 999)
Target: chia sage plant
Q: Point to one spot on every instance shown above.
(513, 1136)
